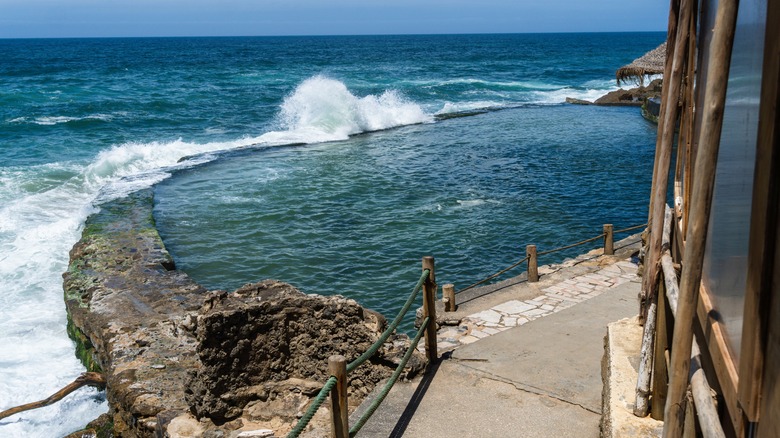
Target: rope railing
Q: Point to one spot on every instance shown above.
(386, 389)
(391, 328)
(484, 280)
(313, 408)
(635, 227)
(336, 384)
(532, 255)
(563, 248)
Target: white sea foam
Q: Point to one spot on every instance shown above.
(323, 109)
(39, 223)
(458, 107)
(56, 120)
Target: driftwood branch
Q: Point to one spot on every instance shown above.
(85, 379)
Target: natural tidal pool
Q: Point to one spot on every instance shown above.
(354, 217)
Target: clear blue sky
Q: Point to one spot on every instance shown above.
(102, 18)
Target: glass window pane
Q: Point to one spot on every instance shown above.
(725, 264)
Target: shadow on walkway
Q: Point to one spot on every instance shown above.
(414, 402)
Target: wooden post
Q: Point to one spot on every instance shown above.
(609, 240)
(665, 139)
(339, 424)
(701, 203)
(689, 425)
(642, 404)
(533, 264)
(448, 297)
(429, 309)
(660, 373)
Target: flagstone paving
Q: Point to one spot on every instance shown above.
(555, 298)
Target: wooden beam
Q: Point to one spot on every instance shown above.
(646, 353)
(769, 426)
(701, 203)
(688, 126)
(716, 344)
(660, 372)
(700, 387)
(671, 34)
(763, 226)
(664, 143)
(769, 150)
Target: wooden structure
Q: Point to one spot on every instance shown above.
(717, 331)
(651, 63)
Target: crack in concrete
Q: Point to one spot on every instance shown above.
(521, 386)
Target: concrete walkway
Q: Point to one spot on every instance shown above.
(525, 362)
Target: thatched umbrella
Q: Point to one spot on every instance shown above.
(651, 63)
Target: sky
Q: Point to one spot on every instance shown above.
(122, 18)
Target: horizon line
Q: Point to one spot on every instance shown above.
(325, 35)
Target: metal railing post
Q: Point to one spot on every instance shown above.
(337, 365)
(429, 309)
(533, 266)
(609, 240)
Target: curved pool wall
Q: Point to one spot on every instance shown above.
(355, 217)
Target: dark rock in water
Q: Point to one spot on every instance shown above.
(632, 97)
(182, 361)
(652, 109)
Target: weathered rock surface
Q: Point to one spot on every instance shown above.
(183, 361)
(621, 97)
(632, 97)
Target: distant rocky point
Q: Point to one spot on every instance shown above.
(633, 97)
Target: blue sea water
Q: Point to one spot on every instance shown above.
(333, 163)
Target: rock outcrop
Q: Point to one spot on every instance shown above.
(183, 361)
(632, 97)
(621, 97)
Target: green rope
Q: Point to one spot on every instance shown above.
(391, 328)
(629, 228)
(386, 390)
(304, 421)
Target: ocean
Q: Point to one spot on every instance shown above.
(332, 163)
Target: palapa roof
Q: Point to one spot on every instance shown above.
(651, 63)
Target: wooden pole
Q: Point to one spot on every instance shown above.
(533, 264)
(642, 404)
(700, 387)
(609, 240)
(661, 344)
(339, 412)
(671, 32)
(664, 154)
(706, 411)
(701, 203)
(429, 309)
(448, 297)
(646, 354)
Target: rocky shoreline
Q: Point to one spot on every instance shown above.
(632, 97)
(181, 360)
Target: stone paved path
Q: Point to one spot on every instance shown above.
(555, 298)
